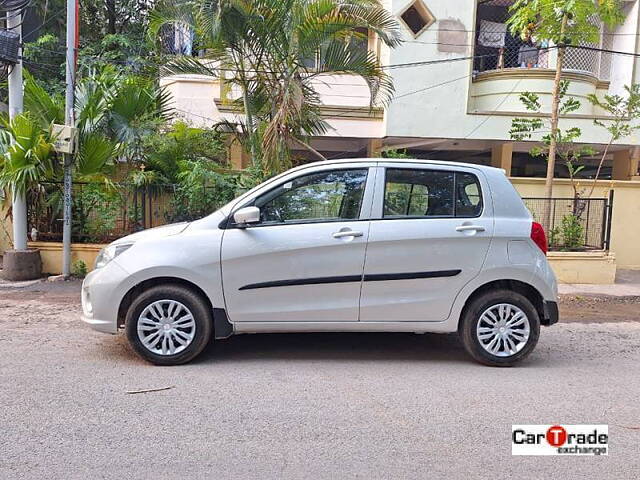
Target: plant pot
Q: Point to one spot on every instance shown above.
(21, 265)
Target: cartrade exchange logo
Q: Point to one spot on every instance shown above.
(560, 440)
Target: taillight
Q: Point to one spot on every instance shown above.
(539, 237)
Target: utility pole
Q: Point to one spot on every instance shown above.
(19, 207)
(69, 120)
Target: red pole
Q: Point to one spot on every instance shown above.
(77, 34)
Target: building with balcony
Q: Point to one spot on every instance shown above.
(460, 106)
(458, 77)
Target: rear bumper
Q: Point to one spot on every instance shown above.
(551, 314)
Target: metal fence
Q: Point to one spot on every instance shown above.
(576, 224)
(102, 213)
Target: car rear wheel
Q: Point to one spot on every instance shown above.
(168, 325)
(500, 328)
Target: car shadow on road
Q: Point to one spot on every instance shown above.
(336, 346)
(364, 347)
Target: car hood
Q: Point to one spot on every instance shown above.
(154, 233)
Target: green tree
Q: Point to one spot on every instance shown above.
(563, 141)
(114, 113)
(621, 120)
(112, 32)
(561, 23)
(274, 50)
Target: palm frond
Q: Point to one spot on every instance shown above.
(340, 57)
(181, 65)
(95, 155)
(43, 107)
(27, 160)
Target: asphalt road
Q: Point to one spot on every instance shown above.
(316, 406)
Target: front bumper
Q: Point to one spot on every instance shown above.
(551, 313)
(104, 326)
(102, 292)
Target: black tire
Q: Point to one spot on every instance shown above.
(472, 314)
(198, 308)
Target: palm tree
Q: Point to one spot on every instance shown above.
(276, 50)
(113, 113)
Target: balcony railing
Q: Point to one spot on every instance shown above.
(496, 48)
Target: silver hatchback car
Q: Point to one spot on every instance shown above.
(366, 245)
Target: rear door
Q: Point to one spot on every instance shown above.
(430, 232)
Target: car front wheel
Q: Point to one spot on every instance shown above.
(168, 325)
(500, 328)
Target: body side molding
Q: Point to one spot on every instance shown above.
(376, 277)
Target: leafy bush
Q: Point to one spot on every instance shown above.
(97, 209)
(201, 190)
(79, 269)
(194, 161)
(165, 152)
(554, 237)
(396, 154)
(572, 232)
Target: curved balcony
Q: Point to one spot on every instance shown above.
(498, 91)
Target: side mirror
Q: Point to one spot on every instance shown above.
(246, 215)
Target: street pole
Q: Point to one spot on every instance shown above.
(19, 207)
(69, 119)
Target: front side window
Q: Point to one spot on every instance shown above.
(431, 193)
(317, 197)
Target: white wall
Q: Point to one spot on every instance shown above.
(436, 112)
(624, 40)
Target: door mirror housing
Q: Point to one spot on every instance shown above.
(246, 216)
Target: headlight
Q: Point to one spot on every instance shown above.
(109, 253)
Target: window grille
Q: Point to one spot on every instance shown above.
(496, 48)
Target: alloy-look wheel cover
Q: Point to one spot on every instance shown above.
(503, 330)
(166, 327)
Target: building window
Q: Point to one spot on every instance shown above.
(417, 17)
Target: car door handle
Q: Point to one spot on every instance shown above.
(466, 228)
(346, 233)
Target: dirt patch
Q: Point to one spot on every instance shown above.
(599, 309)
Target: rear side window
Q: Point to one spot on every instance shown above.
(431, 193)
(468, 195)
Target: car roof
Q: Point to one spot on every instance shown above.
(400, 161)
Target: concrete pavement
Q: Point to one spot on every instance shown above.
(627, 285)
(314, 406)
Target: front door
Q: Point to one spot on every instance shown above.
(303, 261)
(430, 238)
